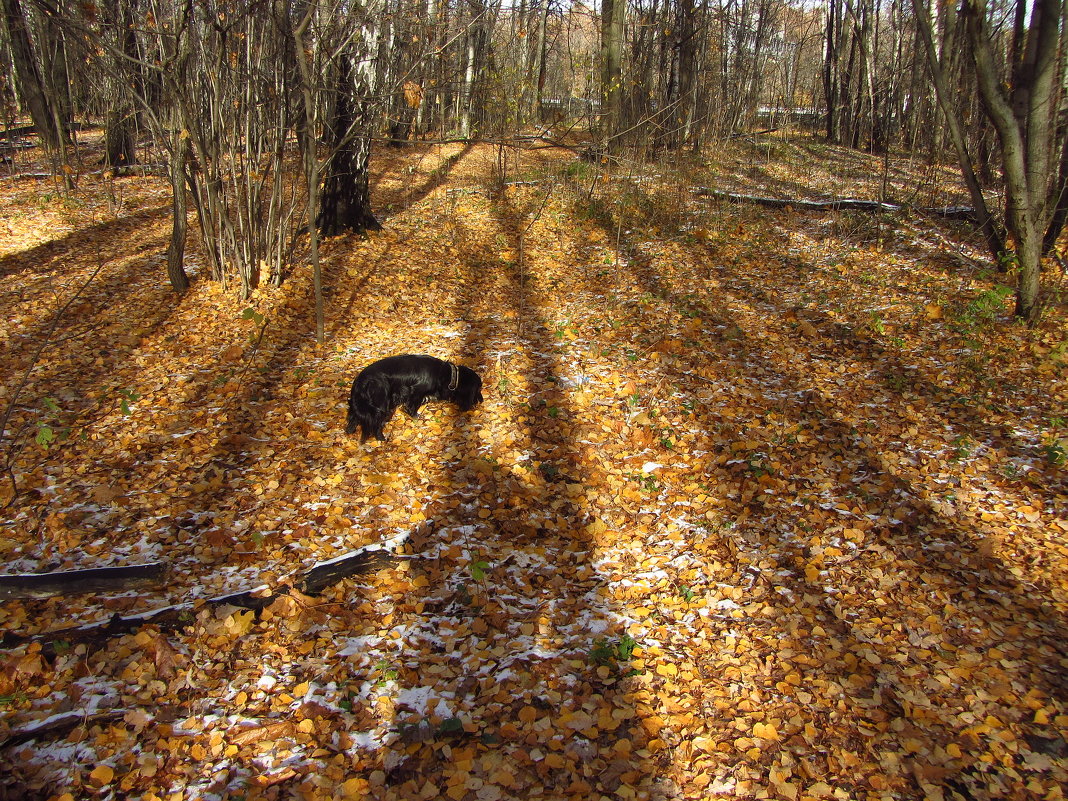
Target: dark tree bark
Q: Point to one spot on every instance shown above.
(345, 204)
(1025, 116)
(31, 84)
(119, 146)
(72, 582)
(120, 121)
(179, 208)
(995, 239)
(1060, 213)
(687, 47)
(541, 54)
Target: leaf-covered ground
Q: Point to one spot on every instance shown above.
(759, 504)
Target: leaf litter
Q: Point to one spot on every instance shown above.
(759, 504)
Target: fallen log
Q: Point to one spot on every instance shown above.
(751, 134)
(322, 575)
(29, 130)
(310, 582)
(73, 582)
(842, 204)
(59, 725)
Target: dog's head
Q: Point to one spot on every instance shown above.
(468, 392)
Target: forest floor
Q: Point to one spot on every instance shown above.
(759, 504)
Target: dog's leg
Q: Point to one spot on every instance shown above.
(370, 407)
(412, 406)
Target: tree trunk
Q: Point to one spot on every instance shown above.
(176, 250)
(1060, 211)
(995, 241)
(311, 171)
(346, 197)
(832, 57)
(1025, 116)
(612, 15)
(120, 121)
(31, 84)
(542, 56)
(119, 148)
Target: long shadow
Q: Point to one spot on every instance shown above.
(820, 569)
(437, 178)
(962, 405)
(96, 334)
(47, 257)
(517, 663)
(179, 471)
(76, 380)
(189, 484)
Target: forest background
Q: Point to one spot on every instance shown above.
(767, 497)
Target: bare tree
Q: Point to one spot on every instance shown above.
(613, 12)
(1025, 114)
(31, 81)
(120, 64)
(991, 231)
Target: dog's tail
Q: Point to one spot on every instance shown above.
(369, 408)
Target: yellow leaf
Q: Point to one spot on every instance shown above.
(554, 760)
(596, 527)
(787, 789)
(239, 623)
(577, 721)
(667, 669)
(482, 467)
(101, 775)
(653, 724)
(353, 788)
(706, 744)
(765, 731)
(934, 311)
(413, 94)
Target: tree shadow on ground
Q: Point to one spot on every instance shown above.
(49, 256)
(513, 676)
(842, 538)
(392, 198)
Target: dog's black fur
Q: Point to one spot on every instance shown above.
(407, 381)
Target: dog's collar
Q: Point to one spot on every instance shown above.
(454, 381)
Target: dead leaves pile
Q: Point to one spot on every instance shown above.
(755, 507)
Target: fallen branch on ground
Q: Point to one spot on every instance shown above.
(59, 725)
(72, 582)
(843, 204)
(310, 582)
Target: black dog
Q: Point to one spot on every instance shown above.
(407, 381)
